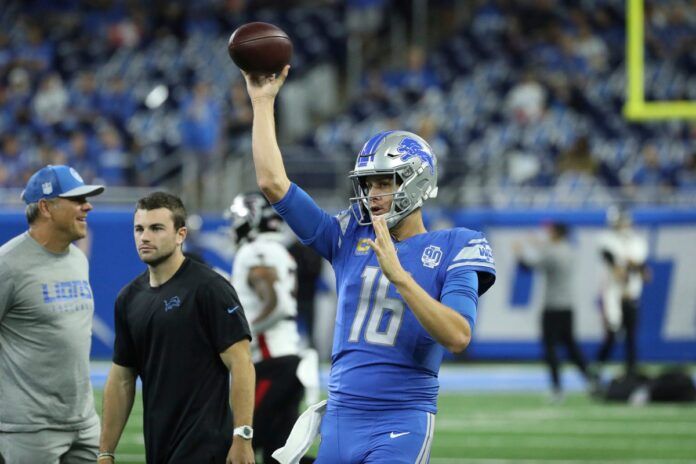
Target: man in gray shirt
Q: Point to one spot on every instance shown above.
(47, 413)
(556, 260)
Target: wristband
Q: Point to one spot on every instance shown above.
(105, 454)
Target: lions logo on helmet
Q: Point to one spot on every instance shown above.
(409, 159)
(410, 148)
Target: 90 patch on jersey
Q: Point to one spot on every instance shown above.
(432, 255)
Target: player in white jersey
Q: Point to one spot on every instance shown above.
(624, 252)
(264, 275)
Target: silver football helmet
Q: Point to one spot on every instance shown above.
(618, 217)
(409, 159)
(251, 214)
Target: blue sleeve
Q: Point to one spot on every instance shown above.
(312, 225)
(460, 293)
(471, 251)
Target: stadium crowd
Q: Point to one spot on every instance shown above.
(509, 93)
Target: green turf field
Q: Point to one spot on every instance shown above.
(524, 428)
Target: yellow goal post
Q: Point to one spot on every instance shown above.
(636, 108)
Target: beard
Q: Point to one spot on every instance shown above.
(154, 261)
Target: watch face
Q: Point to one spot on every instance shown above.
(244, 431)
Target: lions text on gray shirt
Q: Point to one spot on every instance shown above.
(46, 310)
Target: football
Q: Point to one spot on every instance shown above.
(260, 48)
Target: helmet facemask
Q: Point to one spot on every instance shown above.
(399, 205)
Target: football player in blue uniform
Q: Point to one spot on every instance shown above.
(403, 293)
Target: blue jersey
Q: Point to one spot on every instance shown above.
(382, 356)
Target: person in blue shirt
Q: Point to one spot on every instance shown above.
(403, 293)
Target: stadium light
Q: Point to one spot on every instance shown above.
(157, 96)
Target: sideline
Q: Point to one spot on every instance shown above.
(456, 378)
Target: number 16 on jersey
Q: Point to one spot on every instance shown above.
(376, 307)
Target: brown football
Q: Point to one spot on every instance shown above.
(260, 48)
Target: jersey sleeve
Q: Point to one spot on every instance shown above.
(124, 348)
(471, 251)
(222, 314)
(312, 225)
(6, 289)
(460, 292)
(607, 245)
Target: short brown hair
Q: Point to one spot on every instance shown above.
(166, 200)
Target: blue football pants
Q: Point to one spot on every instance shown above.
(352, 436)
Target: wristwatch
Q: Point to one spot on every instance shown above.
(244, 431)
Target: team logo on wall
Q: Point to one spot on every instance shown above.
(432, 255)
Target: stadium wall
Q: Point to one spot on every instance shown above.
(508, 322)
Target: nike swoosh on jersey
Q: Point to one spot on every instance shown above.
(397, 435)
(232, 310)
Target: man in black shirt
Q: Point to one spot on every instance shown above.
(181, 328)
